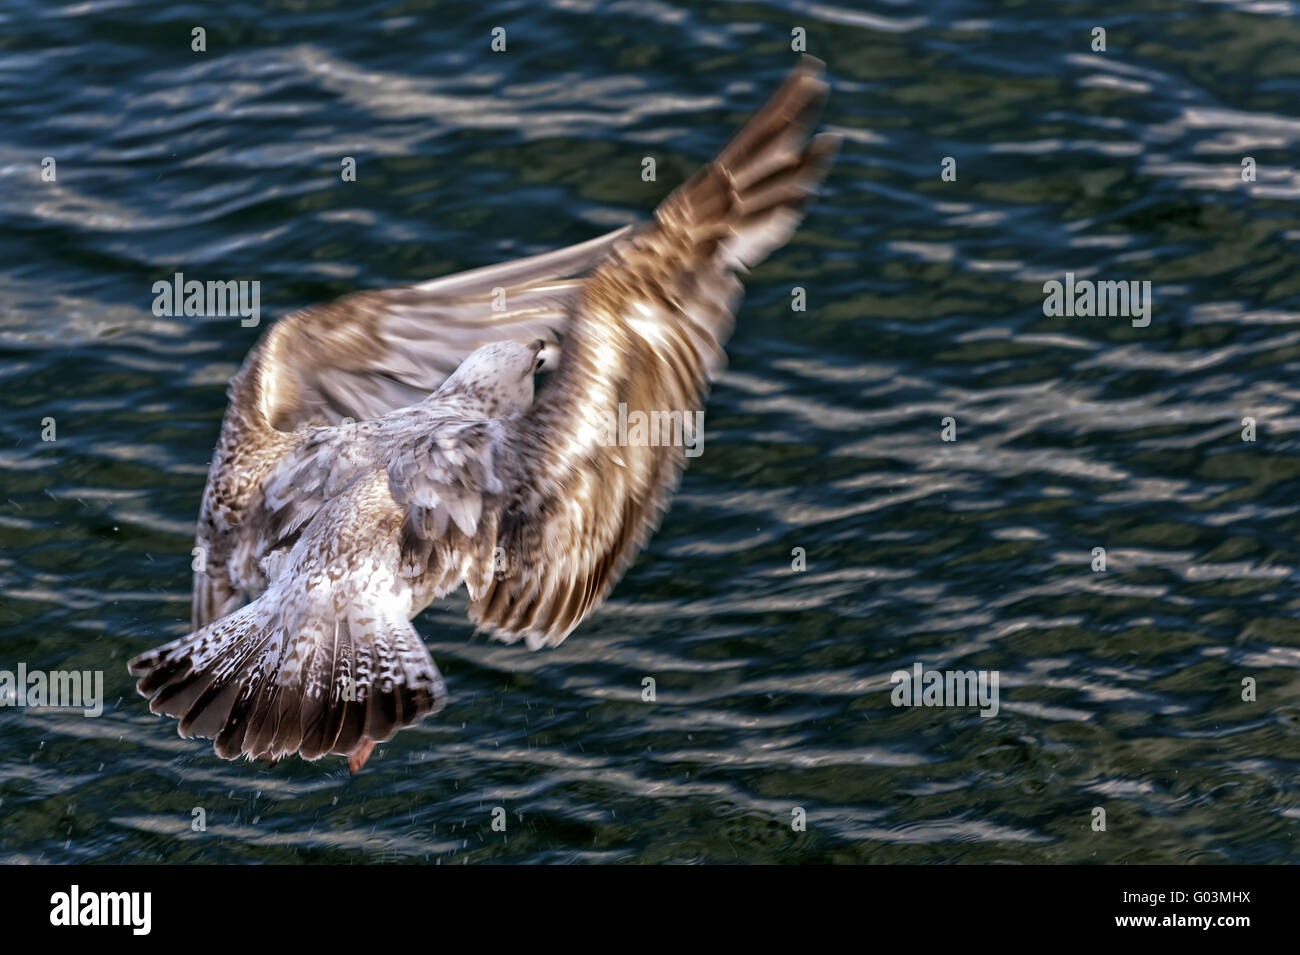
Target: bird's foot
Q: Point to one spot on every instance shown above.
(360, 755)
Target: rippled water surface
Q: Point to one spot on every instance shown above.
(1120, 689)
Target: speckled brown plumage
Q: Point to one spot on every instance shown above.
(358, 477)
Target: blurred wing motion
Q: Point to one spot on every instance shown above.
(647, 334)
(359, 358)
(348, 529)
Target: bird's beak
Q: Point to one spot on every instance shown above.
(548, 357)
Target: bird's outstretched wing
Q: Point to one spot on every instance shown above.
(373, 352)
(646, 334)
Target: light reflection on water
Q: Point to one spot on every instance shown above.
(1120, 689)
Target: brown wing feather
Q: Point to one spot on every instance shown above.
(372, 526)
(648, 333)
(360, 357)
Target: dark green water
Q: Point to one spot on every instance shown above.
(1120, 690)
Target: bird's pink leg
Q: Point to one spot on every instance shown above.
(360, 755)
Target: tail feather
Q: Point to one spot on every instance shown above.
(280, 676)
(275, 702)
(320, 724)
(349, 715)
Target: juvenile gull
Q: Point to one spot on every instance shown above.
(380, 451)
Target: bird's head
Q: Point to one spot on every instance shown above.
(500, 375)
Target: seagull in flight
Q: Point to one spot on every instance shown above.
(383, 450)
